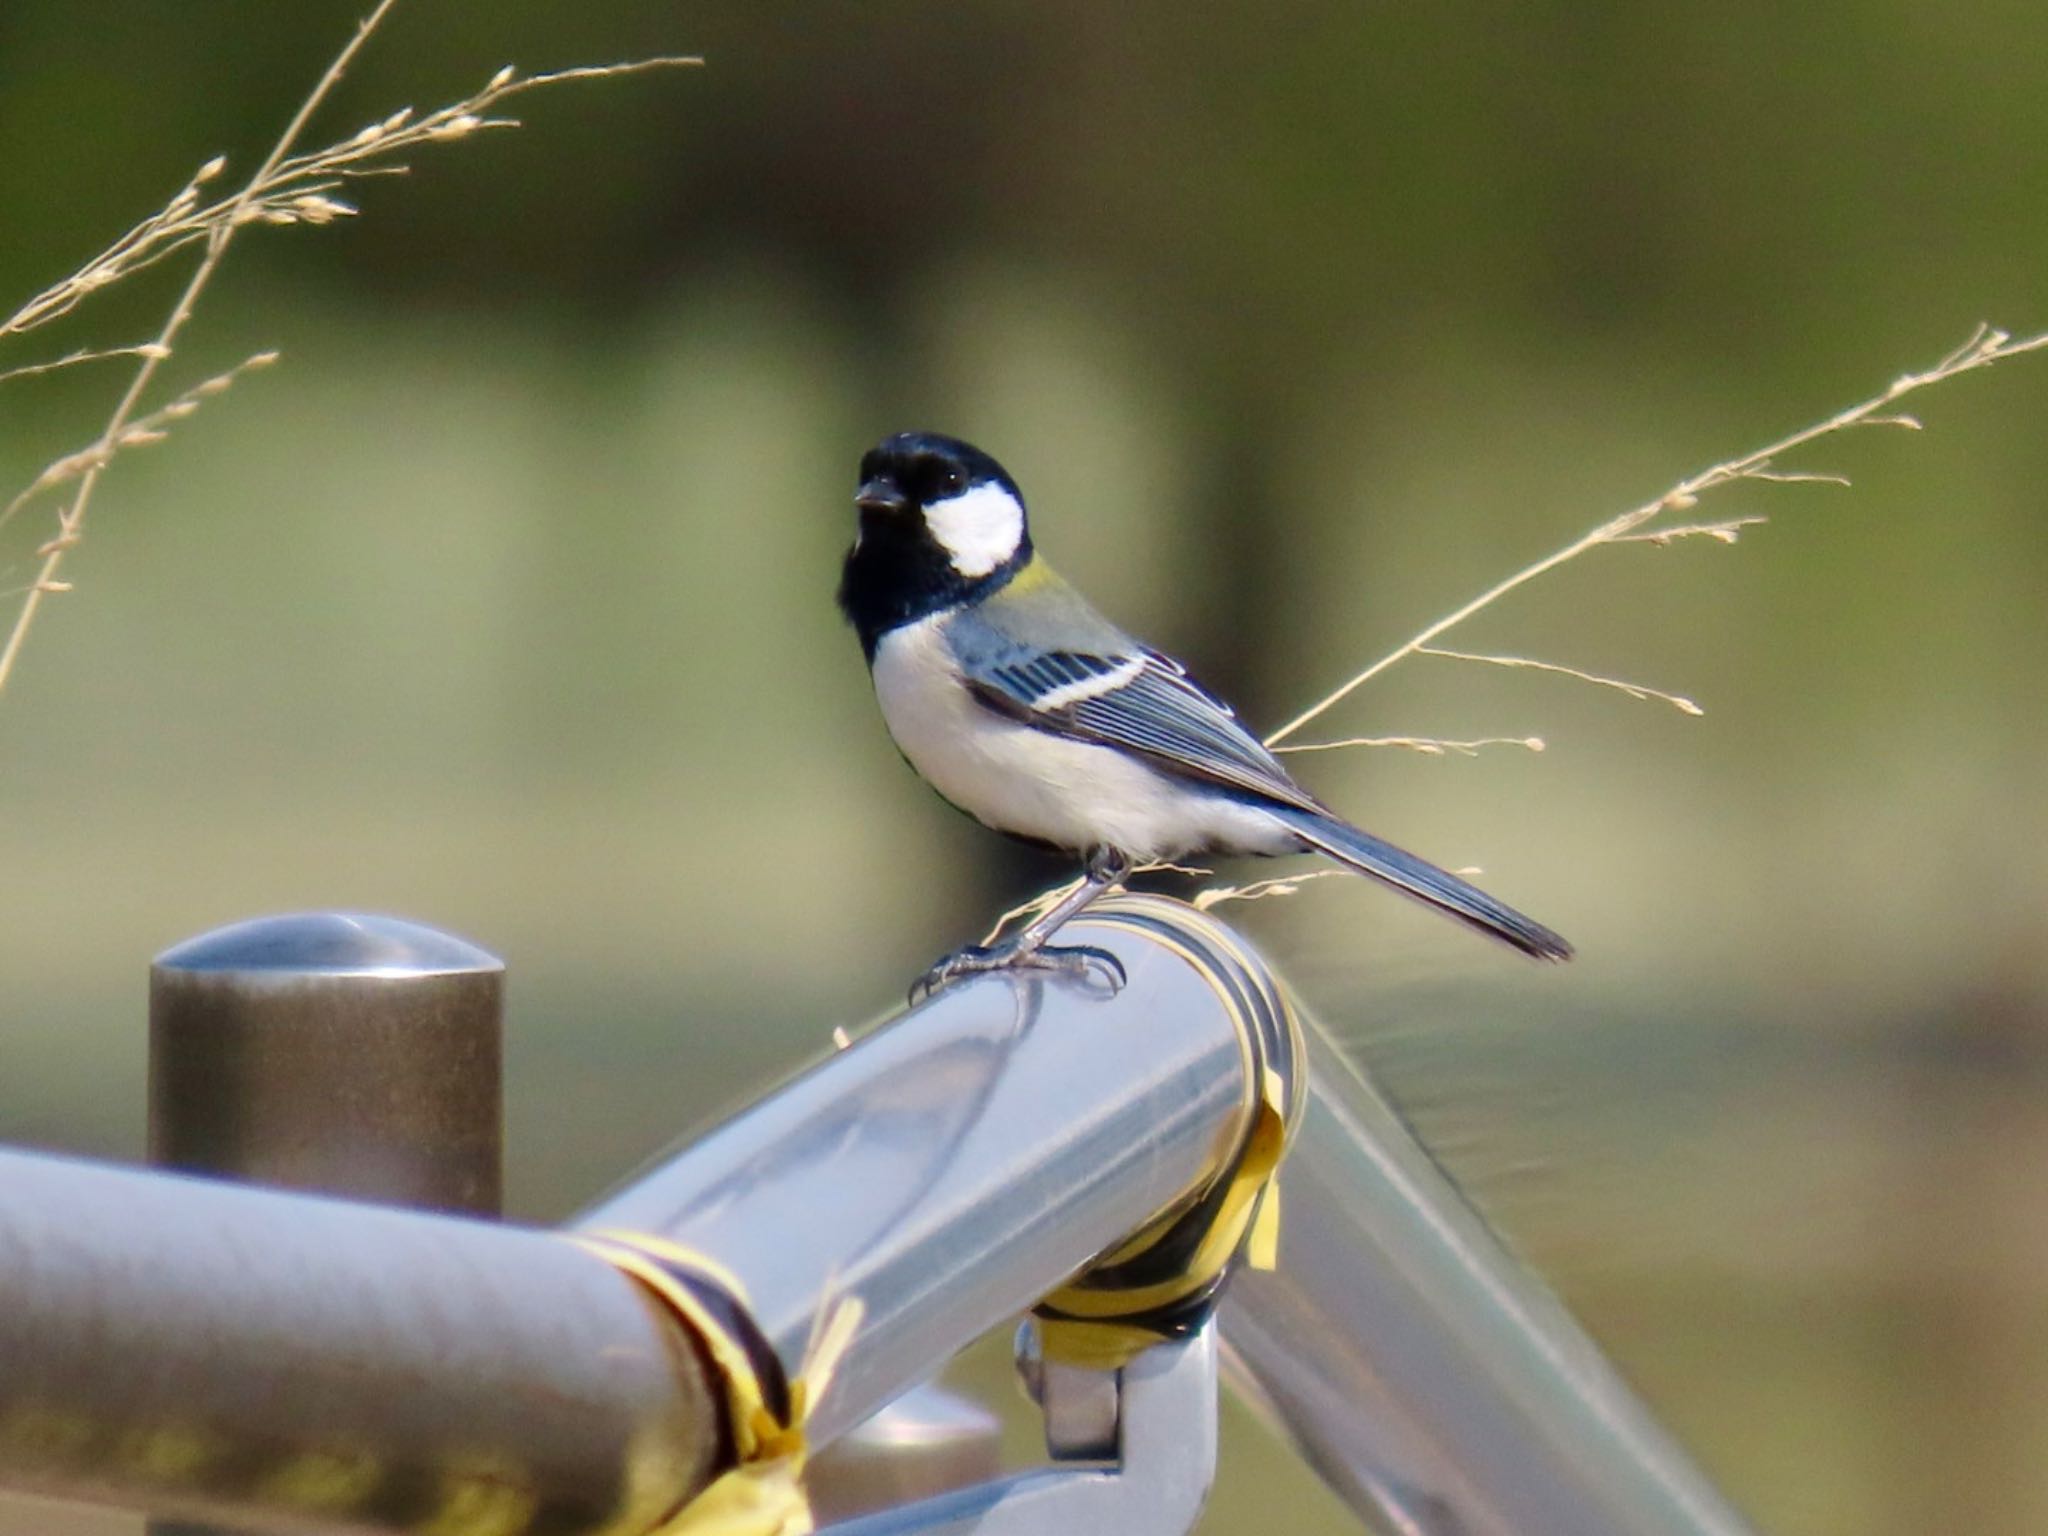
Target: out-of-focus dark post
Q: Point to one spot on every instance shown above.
(332, 1052)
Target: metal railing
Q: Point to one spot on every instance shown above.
(256, 1357)
(1423, 1372)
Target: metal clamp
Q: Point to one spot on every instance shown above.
(1153, 1422)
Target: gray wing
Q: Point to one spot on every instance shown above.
(1120, 694)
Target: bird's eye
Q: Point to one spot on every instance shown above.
(952, 482)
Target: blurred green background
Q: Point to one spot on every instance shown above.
(505, 602)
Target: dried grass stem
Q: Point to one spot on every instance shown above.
(289, 187)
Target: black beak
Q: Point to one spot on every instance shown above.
(879, 495)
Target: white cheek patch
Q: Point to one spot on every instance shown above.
(978, 529)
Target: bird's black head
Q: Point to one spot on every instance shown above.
(941, 523)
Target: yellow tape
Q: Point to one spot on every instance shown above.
(1165, 1280)
(763, 1493)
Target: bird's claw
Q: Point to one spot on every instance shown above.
(1096, 969)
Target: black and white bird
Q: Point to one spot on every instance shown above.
(1035, 715)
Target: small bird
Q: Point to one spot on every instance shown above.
(1024, 707)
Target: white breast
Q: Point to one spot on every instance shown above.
(1037, 784)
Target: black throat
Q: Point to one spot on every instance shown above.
(898, 573)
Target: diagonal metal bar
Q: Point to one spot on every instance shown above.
(1433, 1382)
(953, 1168)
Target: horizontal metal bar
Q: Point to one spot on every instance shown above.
(1432, 1381)
(953, 1168)
(218, 1352)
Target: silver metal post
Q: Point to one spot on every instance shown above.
(1432, 1381)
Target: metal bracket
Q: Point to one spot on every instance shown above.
(1153, 1422)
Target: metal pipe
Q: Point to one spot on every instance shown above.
(1431, 1380)
(212, 1351)
(336, 1052)
(953, 1168)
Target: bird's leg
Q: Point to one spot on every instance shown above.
(1028, 949)
(1105, 868)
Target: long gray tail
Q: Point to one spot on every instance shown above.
(1421, 879)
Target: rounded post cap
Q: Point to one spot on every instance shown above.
(329, 944)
